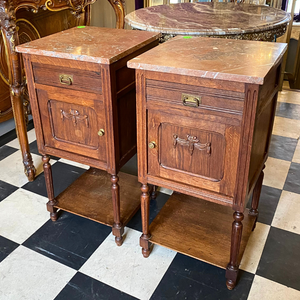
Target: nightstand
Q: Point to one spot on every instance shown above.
(83, 104)
(205, 111)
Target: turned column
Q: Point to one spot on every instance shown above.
(117, 228)
(154, 192)
(10, 35)
(255, 197)
(49, 185)
(236, 236)
(145, 202)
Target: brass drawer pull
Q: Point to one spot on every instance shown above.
(190, 100)
(152, 145)
(66, 79)
(101, 132)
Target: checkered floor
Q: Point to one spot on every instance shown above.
(75, 258)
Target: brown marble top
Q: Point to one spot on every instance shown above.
(215, 18)
(92, 44)
(225, 59)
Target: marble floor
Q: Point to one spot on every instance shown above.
(75, 258)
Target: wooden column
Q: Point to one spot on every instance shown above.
(236, 236)
(117, 228)
(49, 185)
(144, 239)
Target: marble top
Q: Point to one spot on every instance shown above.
(224, 59)
(91, 44)
(215, 18)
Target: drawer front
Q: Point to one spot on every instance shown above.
(191, 97)
(68, 78)
(71, 122)
(193, 151)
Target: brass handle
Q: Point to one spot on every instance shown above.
(101, 132)
(190, 100)
(66, 79)
(152, 145)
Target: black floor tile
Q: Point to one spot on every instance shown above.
(280, 260)
(5, 151)
(131, 166)
(11, 135)
(191, 279)
(5, 190)
(268, 202)
(70, 240)
(6, 247)
(282, 147)
(292, 182)
(83, 287)
(155, 206)
(34, 149)
(63, 175)
(288, 110)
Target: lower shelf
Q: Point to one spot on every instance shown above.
(90, 197)
(198, 228)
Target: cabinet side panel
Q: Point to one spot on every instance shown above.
(263, 125)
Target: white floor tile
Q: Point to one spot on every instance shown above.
(125, 268)
(28, 275)
(31, 138)
(21, 214)
(12, 168)
(286, 127)
(289, 97)
(287, 213)
(164, 190)
(73, 163)
(265, 289)
(255, 248)
(296, 157)
(275, 172)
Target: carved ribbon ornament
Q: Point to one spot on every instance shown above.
(75, 116)
(192, 142)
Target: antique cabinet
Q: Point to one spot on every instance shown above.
(23, 21)
(83, 104)
(204, 122)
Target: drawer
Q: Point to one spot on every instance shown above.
(68, 78)
(195, 152)
(194, 97)
(71, 121)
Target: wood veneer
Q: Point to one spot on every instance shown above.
(204, 126)
(83, 106)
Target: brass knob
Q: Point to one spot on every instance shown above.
(152, 145)
(101, 132)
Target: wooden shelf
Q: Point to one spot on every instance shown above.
(90, 197)
(198, 228)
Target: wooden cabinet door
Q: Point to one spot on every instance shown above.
(193, 151)
(71, 121)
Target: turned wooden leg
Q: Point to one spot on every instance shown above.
(153, 192)
(255, 197)
(49, 185)
(236, 236)
(144, 239)
(117, 228)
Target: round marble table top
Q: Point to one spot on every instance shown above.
(208, 19)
